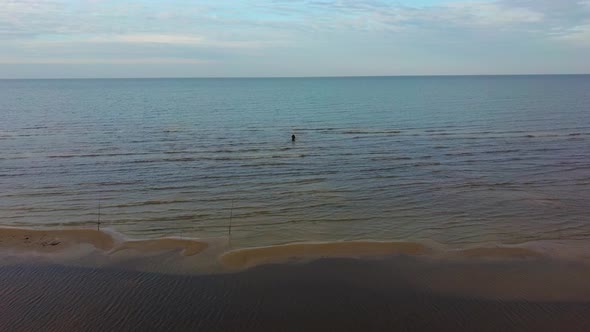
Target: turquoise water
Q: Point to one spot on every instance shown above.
(456, 160)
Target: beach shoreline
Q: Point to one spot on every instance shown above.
(532, 271)
(100, 280)
(106, 247)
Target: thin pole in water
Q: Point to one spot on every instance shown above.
(231, 215)
(98, 219)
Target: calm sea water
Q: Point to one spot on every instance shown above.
(457, 160)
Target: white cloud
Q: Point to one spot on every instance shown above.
(282, 32)
(179, 39)
(376, 15)
(28, 16)
(109, 61)
(146, 39)
(578, 35)
(143, 38)
(490, 13)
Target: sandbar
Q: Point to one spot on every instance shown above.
(249, 257)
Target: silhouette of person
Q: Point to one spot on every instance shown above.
(292, 138)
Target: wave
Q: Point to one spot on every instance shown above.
(93, 155)
(390, 158)
(178, 159)
(426, 164)
(152, 202)
(459, 154)
(370, 132)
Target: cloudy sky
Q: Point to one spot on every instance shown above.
(205, 38)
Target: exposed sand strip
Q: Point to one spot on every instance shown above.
(61, 240)
(53, 240)
(255, 256)
(188, 247)
(499, 252)
(90, 247)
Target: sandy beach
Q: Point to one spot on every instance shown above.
(401, 293)
(106, 247)
(239, 259)
(55, 240)
(90, 280)
(47, 241)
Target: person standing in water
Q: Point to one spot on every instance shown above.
(293, 138)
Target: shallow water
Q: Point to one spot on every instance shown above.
(456, 160)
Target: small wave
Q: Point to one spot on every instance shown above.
(151, 202)
(546, 149)
(426, 164)
(16, 157)
(369, 132)
(309, 181)
(390, 158)
(386, 176)
(93, 155)
(35, 128)
(179, 159)
(144, 161)
(315, 129)
(256, 165)
(459, 154)
(502, 151)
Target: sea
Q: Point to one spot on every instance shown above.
(459, 161)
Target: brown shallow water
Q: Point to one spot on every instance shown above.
(400, 293)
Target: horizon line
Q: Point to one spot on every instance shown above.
(287, 77)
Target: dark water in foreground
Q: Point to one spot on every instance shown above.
(457, 160)
(328, 295)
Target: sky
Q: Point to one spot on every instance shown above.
(269, 38)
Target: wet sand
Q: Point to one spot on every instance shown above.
(89, 280)
(397, 294)
(106, 248)
(55, 241)
(41, 240)
(249, 257)
(187, 247)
